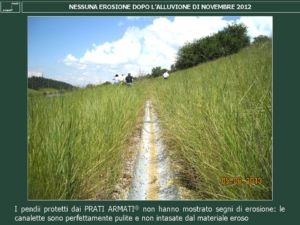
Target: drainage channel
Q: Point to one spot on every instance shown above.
(152, 178)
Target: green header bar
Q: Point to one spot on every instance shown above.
(155, 7)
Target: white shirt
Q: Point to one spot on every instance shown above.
(166, 75)
(116, 80)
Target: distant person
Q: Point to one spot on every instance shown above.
(129, 79)
(123, 78)
(116, 79)
(166, 75)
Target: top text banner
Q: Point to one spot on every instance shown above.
(155, 7)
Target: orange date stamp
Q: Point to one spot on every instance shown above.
(240, 181)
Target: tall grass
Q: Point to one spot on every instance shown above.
(217, 122)
(216, 119)
(76, 141)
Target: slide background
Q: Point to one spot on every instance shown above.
(286, 122)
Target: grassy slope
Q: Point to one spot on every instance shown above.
(32, 92)
(217, 119)
(42, 91)
(76, 141)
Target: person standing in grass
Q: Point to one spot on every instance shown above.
(129, 79)
(116, 79)
(166, 75)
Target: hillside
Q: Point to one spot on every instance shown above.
(41, 82)
(215, 122)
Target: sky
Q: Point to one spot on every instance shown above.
(83, 50)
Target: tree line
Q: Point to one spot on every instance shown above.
(223, 43)
(41, 82)
(228, 41)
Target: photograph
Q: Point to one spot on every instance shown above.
(150, 108)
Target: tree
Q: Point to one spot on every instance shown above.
(42, 82)
(173, 68)
(157, 71)
(233, 38)
(228, 41)
(261, 39)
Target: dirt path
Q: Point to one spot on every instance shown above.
(152, 178)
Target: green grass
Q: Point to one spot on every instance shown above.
(32, 92)
(76, 141)
(217, 122)
(48, 90)
(43, 91)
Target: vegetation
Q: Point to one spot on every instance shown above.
(217, 122)
(45, 91)
(32, 92)
(261, 39)
(41, 82)
(76, 141)
(225, 42)
(157, 71)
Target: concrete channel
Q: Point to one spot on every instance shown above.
(152, 178)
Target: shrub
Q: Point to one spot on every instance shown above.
(225, 42)
(157, 71)
(261, 39)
